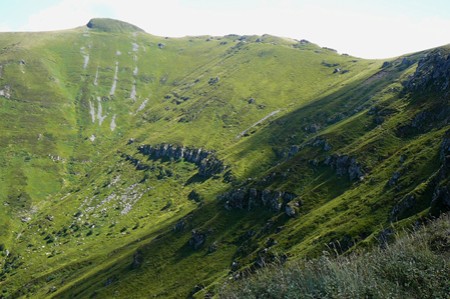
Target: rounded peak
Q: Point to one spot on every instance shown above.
(111, 25)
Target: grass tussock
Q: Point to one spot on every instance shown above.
(416, 265)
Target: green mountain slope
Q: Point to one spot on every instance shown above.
(136, 164)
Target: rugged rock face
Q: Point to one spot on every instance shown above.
(206, 161)
(426, 120)
(345, 166)
(432, 73)
(247, 199)
(441, 196)
(441, 199)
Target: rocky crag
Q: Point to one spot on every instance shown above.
(207, 162)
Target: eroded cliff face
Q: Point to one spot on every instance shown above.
(207, 162)
(250, 198)
(432, 73)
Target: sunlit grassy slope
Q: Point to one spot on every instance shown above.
(85, 214)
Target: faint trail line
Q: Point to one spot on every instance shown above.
(257, 123)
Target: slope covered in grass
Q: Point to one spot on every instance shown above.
(416, 265)
(132, 163)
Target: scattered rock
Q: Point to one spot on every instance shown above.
(293, 150)
(342, 245)
(234, 266)
(197, 239)
(110, 280)
(345, 165)
(161, 45)
(407, 203)
(193, 195)
(320, 142)
(386, 64)
(5, 92)
(384, 237)
(251, 101)
(213, 81)
(271, 242)
(291, 209)
(394, 179)
(378, 120)
(312, 128)
(138, 259)
(213, 247)
(197, 288)
(403, 158)
(179, 226)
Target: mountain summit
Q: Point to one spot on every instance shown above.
(111, 25)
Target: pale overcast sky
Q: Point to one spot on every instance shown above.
(364, 28)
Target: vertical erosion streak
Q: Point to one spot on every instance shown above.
(96, 77)
(133, 91)
(142, 106)
(92, 111)
(113, 125)
(113, 87)
(86, 61)
(100, 117)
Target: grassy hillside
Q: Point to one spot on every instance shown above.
(136, 164)
(416, 265)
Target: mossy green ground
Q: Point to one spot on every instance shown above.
(75, 212)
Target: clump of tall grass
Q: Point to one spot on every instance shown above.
(416, 265)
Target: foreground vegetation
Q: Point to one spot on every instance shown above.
(416, 265)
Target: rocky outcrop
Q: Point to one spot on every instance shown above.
(5, 92)
(345, 166)
(394, 178)
(248, 198)
(320, 142)
(138, 259)
(432, 73)
(407, 203)
(136, 162)
(197, 239)
(426, 120)
(441, 200)
(208, 164)
(445, 148)
(438, 186)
